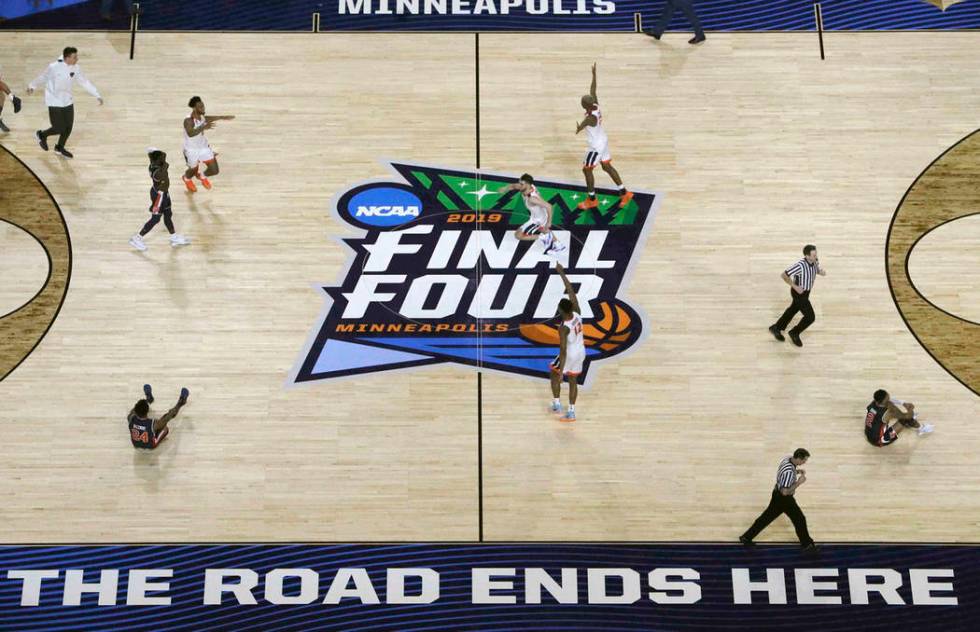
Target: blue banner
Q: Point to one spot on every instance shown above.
(493, 15)
(364, 587)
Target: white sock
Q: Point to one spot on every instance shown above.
(556, 401)
(571, 408)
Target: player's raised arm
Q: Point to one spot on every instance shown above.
(568, 288)
(592, 89)
(223, 117)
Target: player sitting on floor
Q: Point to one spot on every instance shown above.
(884, 408)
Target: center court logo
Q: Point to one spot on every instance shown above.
(438, 277)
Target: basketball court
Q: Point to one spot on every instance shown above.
(749, 147)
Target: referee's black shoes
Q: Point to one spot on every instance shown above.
(796, 339)
(41, 140)
(778, 335)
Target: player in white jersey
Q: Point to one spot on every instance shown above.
(538, 225)
(598, 152)
(571, 354)
(197, 151)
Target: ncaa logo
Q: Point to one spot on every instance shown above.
(436, 276)
(382, 206)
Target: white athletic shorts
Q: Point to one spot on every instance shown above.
(534, 224)
(574, 358)
(596, 155)
(194, 156)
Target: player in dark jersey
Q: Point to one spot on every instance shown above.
(883, 409)
(146, 432)
(159, 202)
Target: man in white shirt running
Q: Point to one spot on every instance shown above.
(58, 79)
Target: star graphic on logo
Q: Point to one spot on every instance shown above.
(481, 193)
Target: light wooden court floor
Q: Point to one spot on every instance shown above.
(758, 147)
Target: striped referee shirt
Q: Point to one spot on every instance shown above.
(803, 273)
(786, 474)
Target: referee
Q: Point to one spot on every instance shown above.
(788, 480)
(799, 277)
(58, 79)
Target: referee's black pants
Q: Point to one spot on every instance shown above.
(781, 504)
(62, 120)
(801, 303)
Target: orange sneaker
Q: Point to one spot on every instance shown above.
(191, 187)
(204, 181)
(625, 198)
(588, 203)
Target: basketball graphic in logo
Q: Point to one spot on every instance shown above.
(610, 332)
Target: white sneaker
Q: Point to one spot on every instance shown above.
(137, 242)
(555, 249)
(178, 240)
(926, 429)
